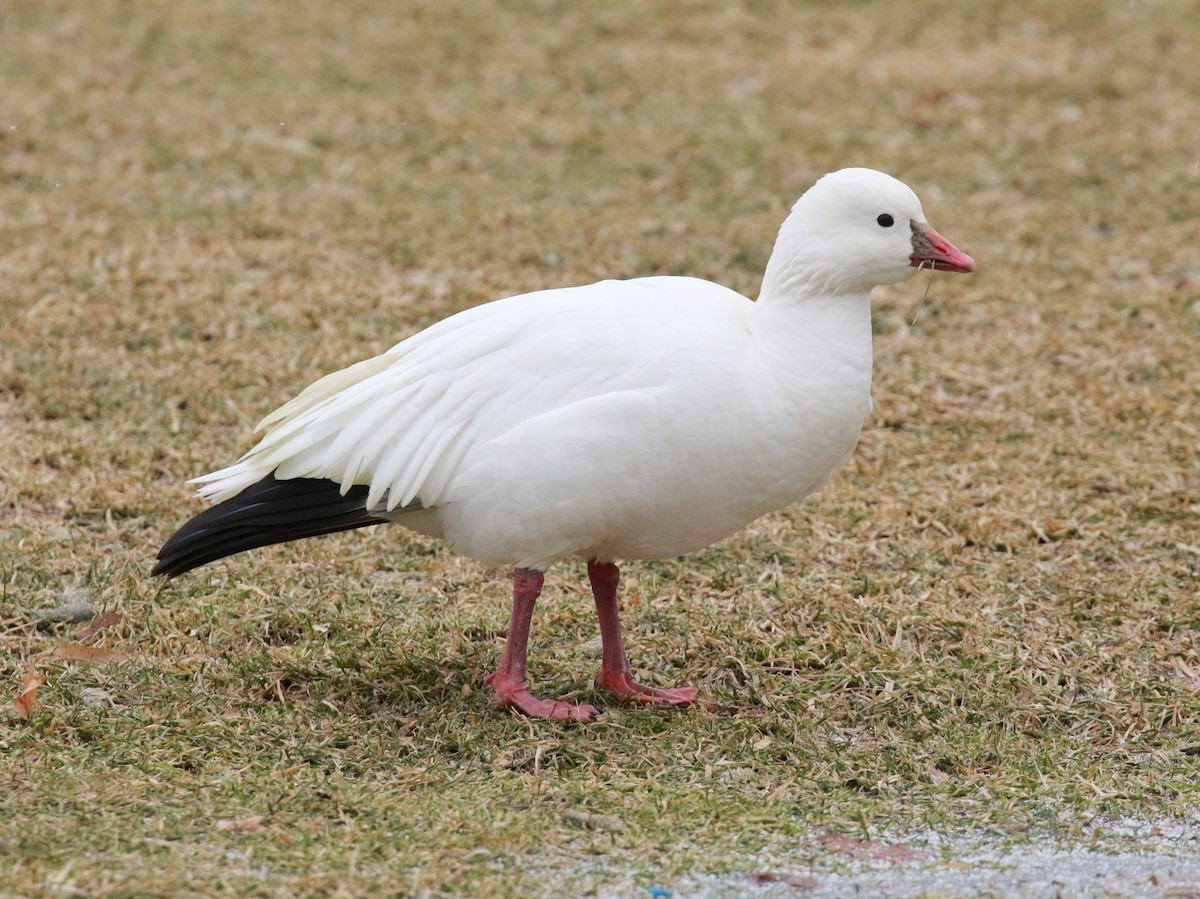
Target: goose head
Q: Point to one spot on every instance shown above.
(853, 230)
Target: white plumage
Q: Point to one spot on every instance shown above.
(619, 420)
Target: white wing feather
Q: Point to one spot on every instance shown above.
(406, 422)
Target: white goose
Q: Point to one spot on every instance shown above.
(621, 420)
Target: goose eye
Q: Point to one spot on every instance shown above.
(885, 221)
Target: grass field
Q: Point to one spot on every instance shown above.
(988, 620)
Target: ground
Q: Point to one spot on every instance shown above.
(984, 629)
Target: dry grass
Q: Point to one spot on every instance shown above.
(990, 619)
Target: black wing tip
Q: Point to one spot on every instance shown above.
(164, 570)
(172, 565)
(267, 512)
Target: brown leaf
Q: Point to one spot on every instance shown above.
(1182, 891)
(65, 652)
(108, 619)
(836, 842)
(27, 698)
(73, 652)
(765, 878)
(253, 824)
(937, 775)
(894, 852)
(593, 821)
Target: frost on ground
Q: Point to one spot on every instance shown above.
(1119, 858)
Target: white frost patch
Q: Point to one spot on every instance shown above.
(1121, 857)
(1127, 859)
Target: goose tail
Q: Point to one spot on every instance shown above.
(268, 512)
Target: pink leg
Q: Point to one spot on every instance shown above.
(616, 676)
(509, 678)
